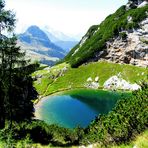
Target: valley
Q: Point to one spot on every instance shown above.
(56, 91)
(97, 63)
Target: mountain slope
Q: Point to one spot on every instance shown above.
(93, 45)
(37, 45)
(60, 39)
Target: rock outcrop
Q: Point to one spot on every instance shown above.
(136, 3)
(116, 82)
(92, 84)
(130, 49)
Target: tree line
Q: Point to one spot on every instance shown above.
(16, 84)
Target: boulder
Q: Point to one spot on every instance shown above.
(115, 82)
(89, 79)
(144, 3)
(97, 79)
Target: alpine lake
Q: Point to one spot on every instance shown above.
(76, 107)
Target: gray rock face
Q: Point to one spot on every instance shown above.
(115, 83)
(135, 3)
(92, 84)
(132, 50)
(143, 4)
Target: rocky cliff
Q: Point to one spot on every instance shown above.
(131, 46)
(131, 49)
(136, 3)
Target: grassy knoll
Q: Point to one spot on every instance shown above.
(72, 78)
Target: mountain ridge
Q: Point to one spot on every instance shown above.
(93, 46)
(35, 41)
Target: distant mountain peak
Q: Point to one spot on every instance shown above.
(33, 27)
(35, 31)
(38, 45)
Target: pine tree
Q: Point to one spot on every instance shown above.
(16, 85)
(7, 22)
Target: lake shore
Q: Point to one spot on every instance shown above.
(88, 97)
(76, 88)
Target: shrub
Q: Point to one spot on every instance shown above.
(127, 119)
(123, 35)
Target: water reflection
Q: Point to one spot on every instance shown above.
(75, 108)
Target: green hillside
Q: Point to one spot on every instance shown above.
(95, 39)
(56, 80)
(23, 84)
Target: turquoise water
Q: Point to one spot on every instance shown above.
(76, 108)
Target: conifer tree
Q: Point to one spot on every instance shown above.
(16, 85)
(7, 22)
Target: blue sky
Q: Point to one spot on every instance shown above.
(69, 16)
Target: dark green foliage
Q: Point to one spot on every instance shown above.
(16, 84)
(126, 120)
(40, 132)
(144, 41)
(17, 89)
(7, 18)
(123, 35)
(22, 94)
(7, 21)
(98, 35)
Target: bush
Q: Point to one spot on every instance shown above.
(123, 35)
(126, 120)
(28, 133)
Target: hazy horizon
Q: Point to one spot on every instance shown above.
(72, 18)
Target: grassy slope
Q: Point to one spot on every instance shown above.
(48, 77)
(77, 77)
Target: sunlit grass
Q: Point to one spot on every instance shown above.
(50, 82)
(77, 77)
